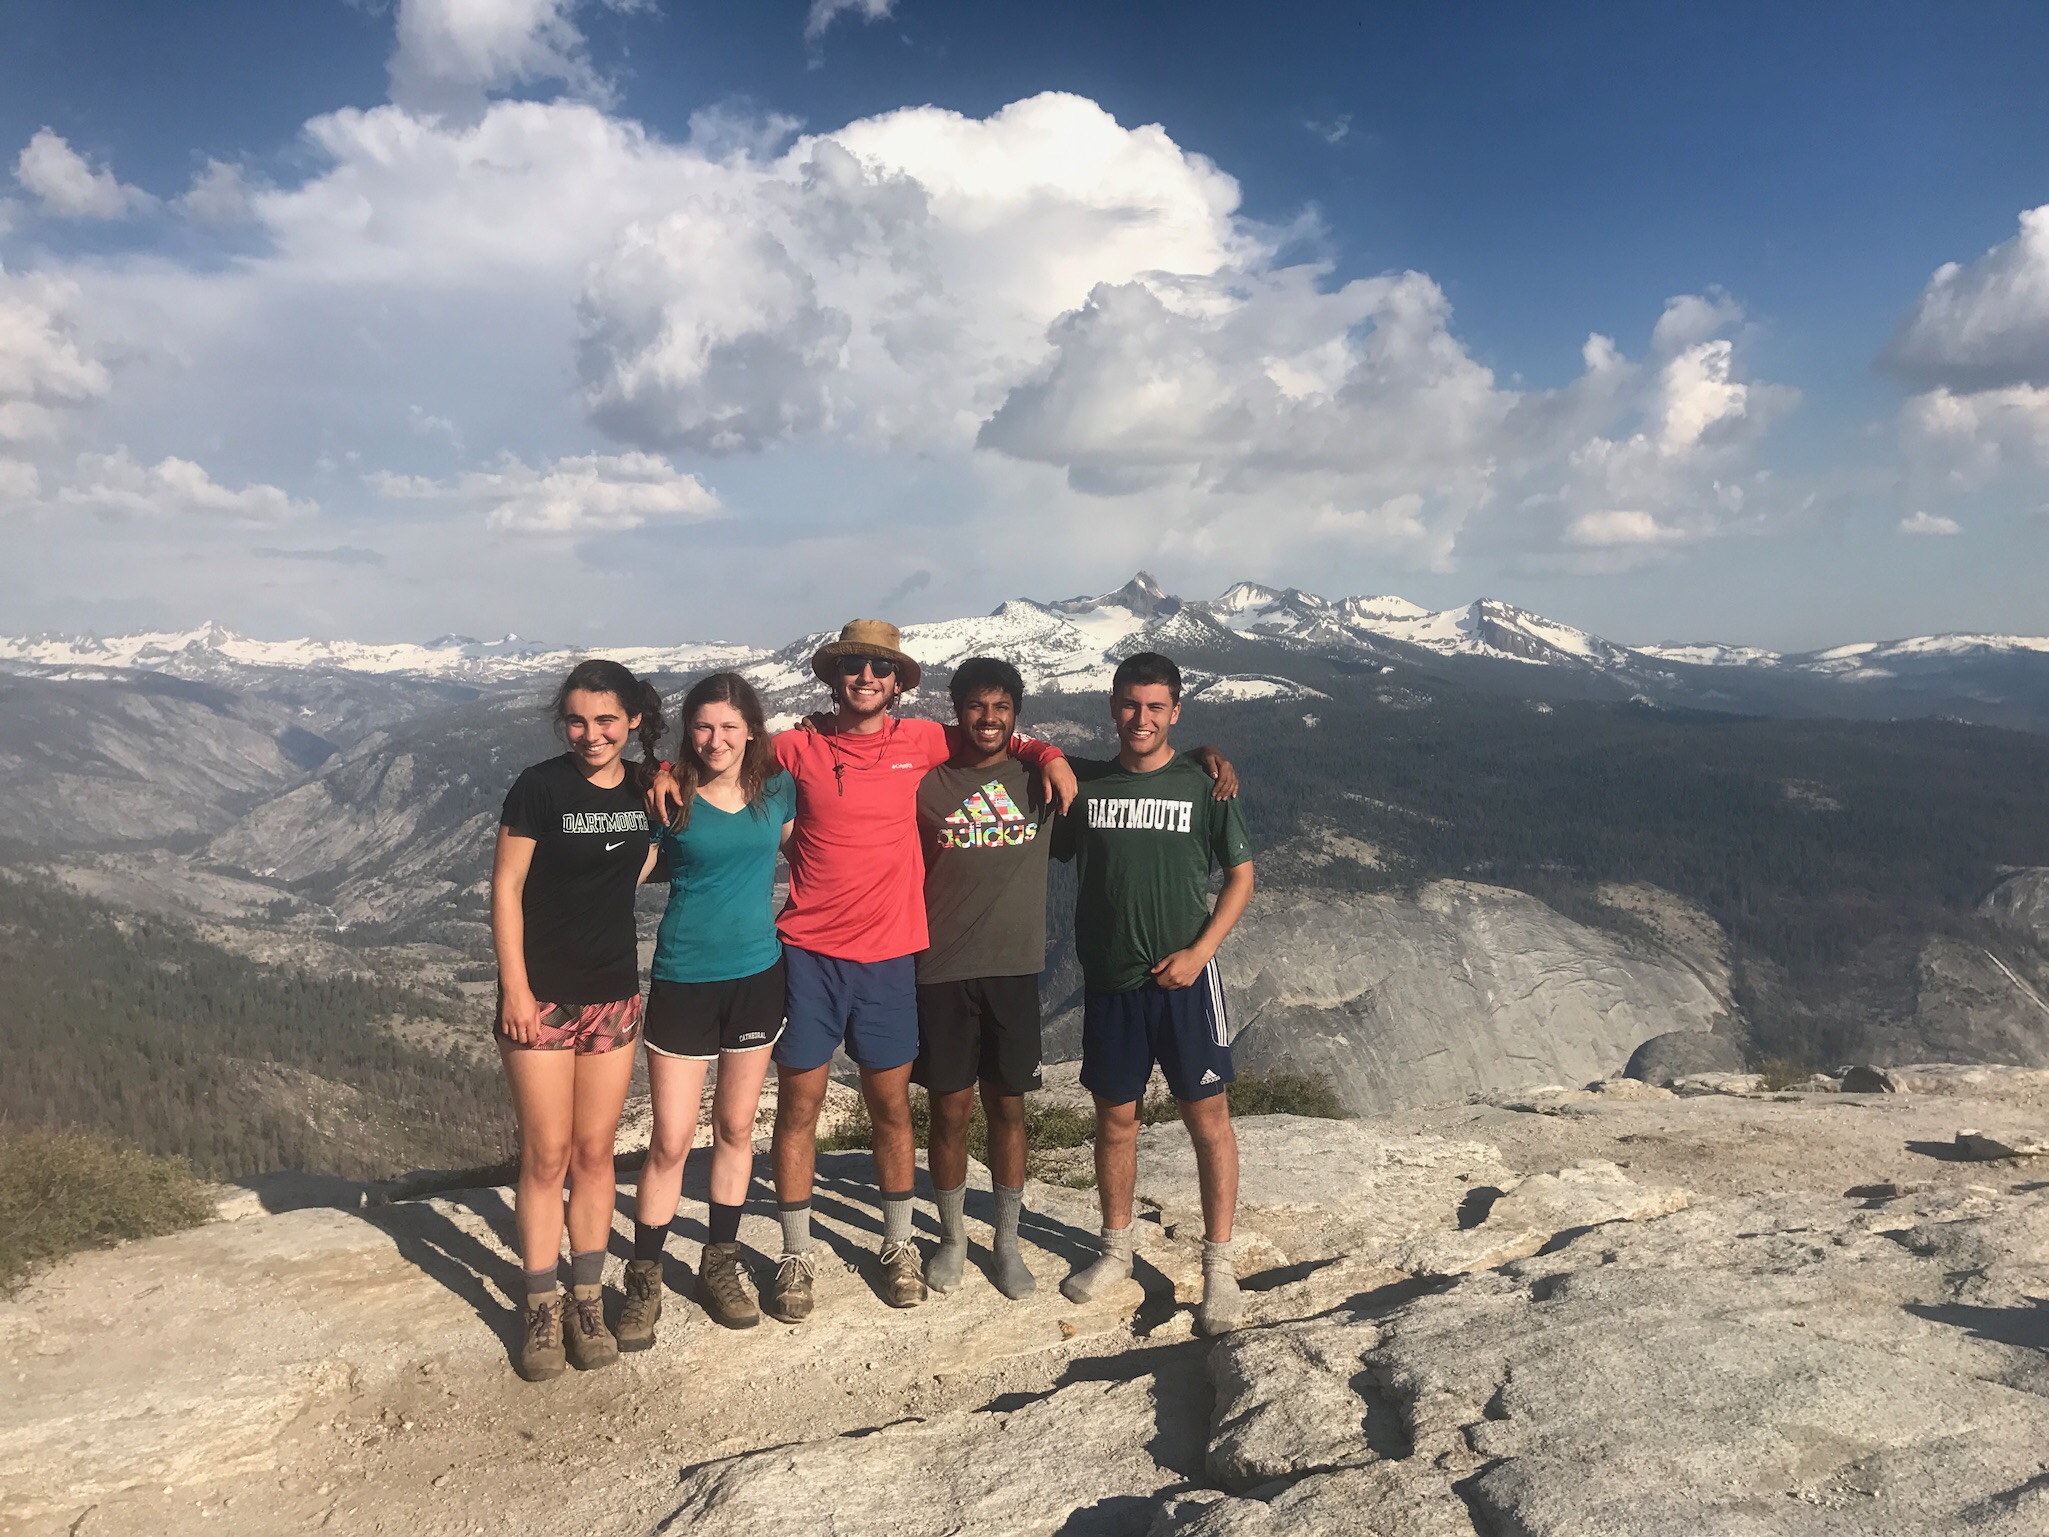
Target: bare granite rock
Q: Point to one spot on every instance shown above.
(1463, 989)
(1087, 1458)
(1318, 1187)
(1534, 1213)
(1777, 1364)
(1681, 1053)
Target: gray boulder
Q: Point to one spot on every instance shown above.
(1682, 1053)
(1462, 990)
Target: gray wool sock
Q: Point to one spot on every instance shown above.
(540, 1284)
(896, 1216)
(587, 1268)
(1223, 1306)
(944, 1265)
(1010, 1273)
(1114, 1266)
(795, 1217)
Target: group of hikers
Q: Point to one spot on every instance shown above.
(912, 937)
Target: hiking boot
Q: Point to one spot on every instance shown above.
(540, 1342)
(722, 1289)
(903, 1275)
(643, 1309)
(789, 1294)
(590, 1343)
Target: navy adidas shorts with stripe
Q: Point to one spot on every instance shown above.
(1184, 1029)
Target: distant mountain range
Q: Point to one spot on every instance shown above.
(1250, 642)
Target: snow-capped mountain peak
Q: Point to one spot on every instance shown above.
(1073, 645)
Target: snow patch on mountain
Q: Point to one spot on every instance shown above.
(1069, 645)
(207, 647)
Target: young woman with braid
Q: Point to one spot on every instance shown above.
(573, 843)
(716, 993)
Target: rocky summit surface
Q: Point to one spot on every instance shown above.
(1612, 1310)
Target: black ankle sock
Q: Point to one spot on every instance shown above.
(725, 1222)
(648, 1241)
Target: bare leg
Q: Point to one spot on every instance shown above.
(676, 1086)
(1216, 1168)
(1116, 1177)
(1005, 1114)
(799, 1097)
(1216, 1162)
(1116, 1160)
(544, 1100)
(949, 1151)
(601, 1080)
(888, 1093)
(735, 1103)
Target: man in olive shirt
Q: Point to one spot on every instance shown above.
(1145, 836)
(984, 827)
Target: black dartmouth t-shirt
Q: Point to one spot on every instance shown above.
(578, 902)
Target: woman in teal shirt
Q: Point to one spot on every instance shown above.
(716, 994)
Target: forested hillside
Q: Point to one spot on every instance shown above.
(136, 1027)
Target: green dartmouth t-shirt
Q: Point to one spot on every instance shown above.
(1144, 847)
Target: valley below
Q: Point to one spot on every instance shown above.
(1657, 995)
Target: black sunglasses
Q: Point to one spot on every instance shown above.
(882, 667)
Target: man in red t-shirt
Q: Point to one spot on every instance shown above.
(852, 928)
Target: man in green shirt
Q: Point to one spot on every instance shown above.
(1145, 835)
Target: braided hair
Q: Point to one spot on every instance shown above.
(636, 696)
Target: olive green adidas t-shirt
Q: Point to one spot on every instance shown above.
(1144, 846)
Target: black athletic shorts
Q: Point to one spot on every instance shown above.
(702, 1019)
(985, 1029)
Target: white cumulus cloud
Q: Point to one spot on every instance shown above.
(1929, 523)
(44, 369)
(218, 195)
(451, 54)
(19, 481)
(824, 13)
(1978, 341)
(579, 494)
(173, 487)
(924, 323)
(1986, 323)
(70, 186)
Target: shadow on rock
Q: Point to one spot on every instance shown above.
(2026, 1326)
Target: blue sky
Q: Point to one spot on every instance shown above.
(641, 364)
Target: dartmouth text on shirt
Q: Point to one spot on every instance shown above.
(1141, 812)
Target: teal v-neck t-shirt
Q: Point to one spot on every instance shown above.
(720, 921)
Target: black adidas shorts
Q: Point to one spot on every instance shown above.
(982, 1030)
(702, 1019)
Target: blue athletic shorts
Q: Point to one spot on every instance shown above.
(1184, 1029)
(872, 1006)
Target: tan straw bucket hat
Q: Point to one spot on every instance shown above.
(867, 637)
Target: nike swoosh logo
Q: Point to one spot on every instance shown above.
(619, 845)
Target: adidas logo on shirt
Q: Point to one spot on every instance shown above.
(988, 818)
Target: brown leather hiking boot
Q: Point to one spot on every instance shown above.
(643, 1308)
(590, 1343)
(722, 1289)
(789, 1294)
(903, 1275)
(540, 1342)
